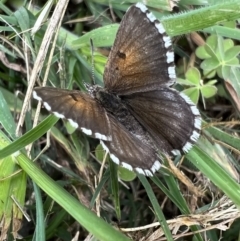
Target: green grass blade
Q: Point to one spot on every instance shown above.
(95, 225)
(29, 137)
(215, 173)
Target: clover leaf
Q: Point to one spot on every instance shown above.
(197, 86)
(219, 56)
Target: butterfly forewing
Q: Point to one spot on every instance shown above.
(141, 57)
(79, 108)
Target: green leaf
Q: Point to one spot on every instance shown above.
(184, 82)
(193, 94)
(208, 91)
(211, 51)
(202, 53)
(220, 49)
(212, 42)
(29, 137)
(233, 62)
(22, 16)
(211, 82)
(225, 72)
(157, 208)
(125, 174)
(115, 188)
(228, 44)
(100, 153)
(210, 64)
(88, 219)
(201, 18)
(193, 75)
(209, 73)
(12, 185)
(6, 118)
(215, 173)
(234, 80)
(102, 37)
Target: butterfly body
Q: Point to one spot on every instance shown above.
(136, 115)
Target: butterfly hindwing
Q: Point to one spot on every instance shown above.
(171, 118)
(125, 149)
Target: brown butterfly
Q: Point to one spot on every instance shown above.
(136, 114)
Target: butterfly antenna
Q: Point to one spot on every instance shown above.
(92, 52)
